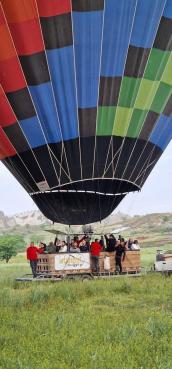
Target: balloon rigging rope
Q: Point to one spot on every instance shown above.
(130, 119)
(16, 54)
(111, 139)
(17, 122)
(19, 174)
(147, 164)
(76, 90)
(136, 163)
(54, 99)
(130, 206)
(154, 146)
(150, 156)
(49, 151)
(137, 138)
(112, 161)
(153, 149)
(143, 172)
(101, 53)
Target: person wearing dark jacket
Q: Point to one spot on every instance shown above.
(32, 255)
(110, 243)
(76, 239)
(101, 242)
(84, 246)
(120, 254)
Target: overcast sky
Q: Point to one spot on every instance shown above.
(156, 195)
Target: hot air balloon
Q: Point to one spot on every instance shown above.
(85, 100)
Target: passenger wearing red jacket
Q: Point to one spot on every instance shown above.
(32, 256)
(95, 253)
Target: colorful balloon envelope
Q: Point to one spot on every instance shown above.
(85, 100)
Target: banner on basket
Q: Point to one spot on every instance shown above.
(72, 261)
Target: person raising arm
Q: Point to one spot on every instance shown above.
(32, 255)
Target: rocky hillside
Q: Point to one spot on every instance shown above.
(150, 229)
(31, 218)
(36, 218)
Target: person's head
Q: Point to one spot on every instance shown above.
(118, 242)
(75, 245)
(32, 244)
(96, 240)
(51, 243)
(135, 242)
(63, 243)
(122, 239)
(111, 236)
(75, 238)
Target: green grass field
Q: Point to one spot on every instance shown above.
(122, 323)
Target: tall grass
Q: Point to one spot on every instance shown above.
(148, 254)
(102, 324)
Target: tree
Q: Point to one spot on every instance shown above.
(8, 246)
(165, 218)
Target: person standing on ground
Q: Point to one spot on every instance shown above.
(120, 254)
(32, 255)
(95, 253)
